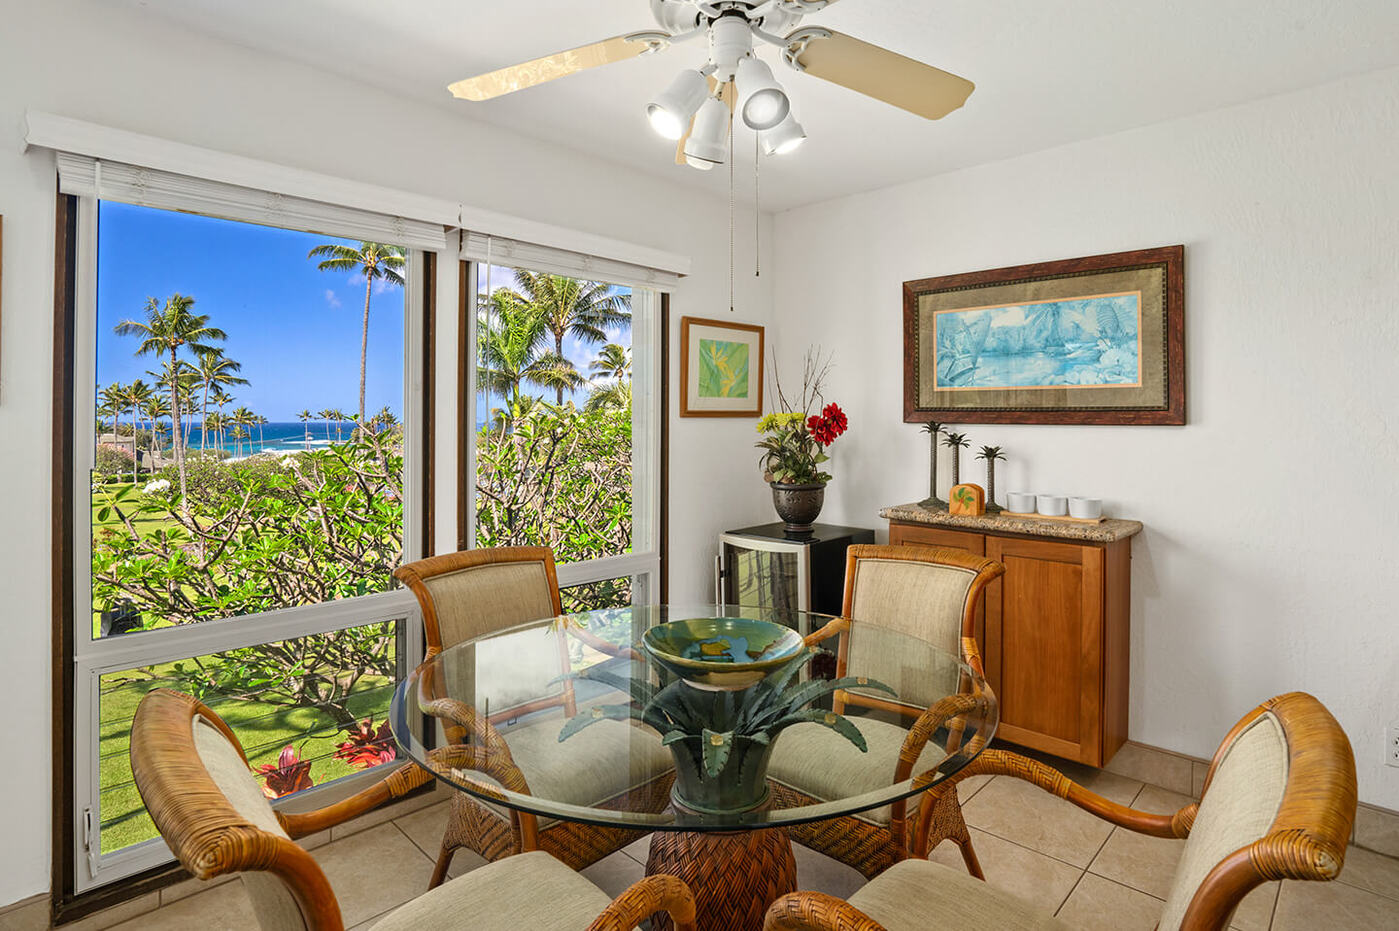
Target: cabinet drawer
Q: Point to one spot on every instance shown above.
(915, 535)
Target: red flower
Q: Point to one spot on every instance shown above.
(290, 774)
(836, 418)
(368, 746)
(828, 426)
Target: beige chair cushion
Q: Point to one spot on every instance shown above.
(817, 761)
(483, 599)
(915, 895)
(1238, 808)
(586, 768)
(272, 902)
(527, 891)
(922, 600)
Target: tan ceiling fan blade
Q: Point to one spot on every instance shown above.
(729, 96)
(561, 64)
(879, 73)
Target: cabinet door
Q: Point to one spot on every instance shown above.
(923, 535)
(1044, 645)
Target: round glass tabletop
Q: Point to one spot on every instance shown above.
(718, 721)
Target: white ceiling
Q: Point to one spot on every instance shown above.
(1046, 73)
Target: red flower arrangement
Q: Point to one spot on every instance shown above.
(367, 745)
(831, 424)
(289, 774)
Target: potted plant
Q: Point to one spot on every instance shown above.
(794, 446)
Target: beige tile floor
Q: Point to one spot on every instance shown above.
(1034, 845)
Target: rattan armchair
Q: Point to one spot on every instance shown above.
(478, 592)
(195, 781)
(933, 594)
(1278, 803)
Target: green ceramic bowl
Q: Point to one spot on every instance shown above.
(722, 652)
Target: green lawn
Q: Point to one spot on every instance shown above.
(263, 728)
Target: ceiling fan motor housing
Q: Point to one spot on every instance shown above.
(730, 40)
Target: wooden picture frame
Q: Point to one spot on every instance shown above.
(1093, 340)
(721, 368)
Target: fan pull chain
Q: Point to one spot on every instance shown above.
(731, 213)
(757, 212)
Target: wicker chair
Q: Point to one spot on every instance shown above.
(933, 594)
(194, 778)
(1278, 803)
(477, 592)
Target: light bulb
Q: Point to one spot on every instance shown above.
(671, 112)
(761, 100)
(782, 138)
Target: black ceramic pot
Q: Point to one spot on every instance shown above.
(798, 505)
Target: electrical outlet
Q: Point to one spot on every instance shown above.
(1391, 745)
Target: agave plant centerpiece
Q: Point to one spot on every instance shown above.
(722, 739)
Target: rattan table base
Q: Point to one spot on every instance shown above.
(734, 876)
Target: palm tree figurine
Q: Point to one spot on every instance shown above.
(956, 442)
(934, 430)
(991, 454)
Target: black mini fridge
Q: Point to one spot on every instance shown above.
(766, 567)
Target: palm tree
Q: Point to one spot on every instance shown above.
(220, 399)
(612, 394)
(956, 442)
(613, 361)
(134, 397)
(571, 306)
(305, 418)
(261, 421)
(991, 454)
(168, 330)
(242, 419)
(325, 414)
(215, 369)
(512, 333)
(376, 261)
(218, 423)
(934, 430)
(238, 433)
(156, 408)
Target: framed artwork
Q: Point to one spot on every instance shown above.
(1096, 340)
(721, 369)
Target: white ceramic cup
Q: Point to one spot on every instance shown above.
(1051, 505)
(1021, 502)
(1087, 508)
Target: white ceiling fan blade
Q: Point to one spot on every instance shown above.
(561, 64)
(879, 73)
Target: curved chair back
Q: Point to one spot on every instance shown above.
(474, 593)
(929, 593)
(195, 781)
(1279, 802)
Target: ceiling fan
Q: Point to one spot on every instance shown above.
(698, 106)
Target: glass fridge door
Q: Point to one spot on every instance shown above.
(763, 574)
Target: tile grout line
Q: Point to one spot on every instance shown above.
(1070, 895)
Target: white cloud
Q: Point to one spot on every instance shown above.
(331, 299)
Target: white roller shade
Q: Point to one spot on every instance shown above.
(481, 247)
(84, 176)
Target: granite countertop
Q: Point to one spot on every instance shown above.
(1109, 531)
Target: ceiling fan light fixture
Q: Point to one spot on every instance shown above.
(672, 111)
(708, 143)
(761, 100)
(782, 138)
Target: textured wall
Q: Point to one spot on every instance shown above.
(135, 73)
(1267, 563)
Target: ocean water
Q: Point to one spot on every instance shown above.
(277, 438)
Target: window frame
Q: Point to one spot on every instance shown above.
(81, 870)
(646, 564)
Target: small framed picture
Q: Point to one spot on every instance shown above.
(721, 369)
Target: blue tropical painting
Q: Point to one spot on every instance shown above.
(1093, 340)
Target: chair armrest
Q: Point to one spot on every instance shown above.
(833, 628)
(816, 911)
(641, 900)
(601, 645)
(1005, 763)
(395, 785)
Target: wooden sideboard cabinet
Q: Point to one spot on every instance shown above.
(1054, 631)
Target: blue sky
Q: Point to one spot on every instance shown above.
(295, 329)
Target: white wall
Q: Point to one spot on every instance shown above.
(80, 60)
(1268, 560)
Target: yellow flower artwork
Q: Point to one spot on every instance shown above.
(723, 369)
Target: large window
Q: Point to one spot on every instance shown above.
(566, 427)
(244, 448)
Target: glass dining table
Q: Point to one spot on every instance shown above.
(575, 719)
